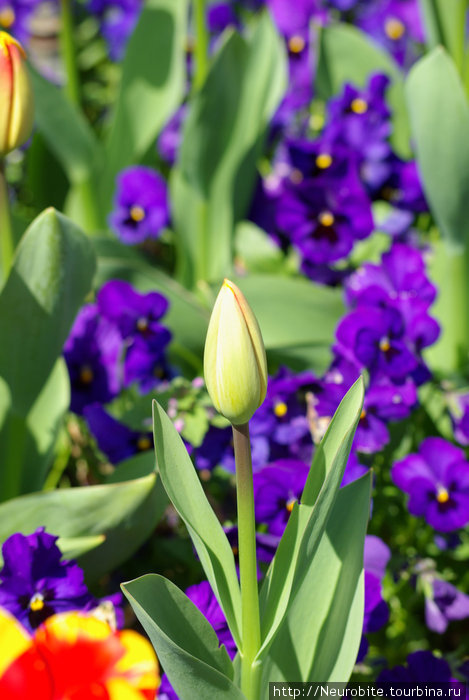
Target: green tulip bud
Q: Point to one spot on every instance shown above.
(235, 365)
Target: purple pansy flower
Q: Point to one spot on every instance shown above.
(92, 353)
(324, 219)
(116, 440)
(137, 317)
(437, 480)
(445, 603)
(277, 487)
(16, 17)
(35, 582)
(141, 208)
(400, 276)
(396, 25)
(376, 558)
(422, 667)
(117, 21)
(170, 137)
(376, 338)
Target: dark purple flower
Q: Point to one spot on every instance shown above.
(141, 208)
(203, 597)
(277, 487)
(353, 470)
(446, 603)
(396, 25)
(221, 15)
(35, 583)
(359, 119)
(324, 219)
(117, 21)
(92, 353)
(400, 185)
(137, 317)
(399, 277)
(459, 410)
(376, 558)
(384, 402)
(16, 17)
(422, 667)
(437, 480)
(293, 18)
(116, 440)
(170, 137)
(376, 338)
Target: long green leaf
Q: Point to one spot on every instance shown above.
(222, 139)
(67, 133)
(124, 514)
(184, 640)
(437, 105)
(183, 487)
(152, 86)
(320, 634)
(346, 54)
(52, 273)
(307, 522)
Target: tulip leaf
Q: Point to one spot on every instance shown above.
(152, 86)
(67, 133)
(213, 182)
(437, 105)
(445, 26)
(329, 589)
(308, 521)
(51, 274)
(122, 514)
(183, 487)
(184, 640)
(347, 55)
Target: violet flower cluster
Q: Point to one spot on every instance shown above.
(116, 342)
(35, 582)
(318, 197)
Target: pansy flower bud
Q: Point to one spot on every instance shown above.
(235, 365)
(16, 95)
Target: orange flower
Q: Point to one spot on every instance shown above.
(75, 656)
(16, 96)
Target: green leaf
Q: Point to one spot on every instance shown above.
(437, 105)
(51, 274)
(73, 547)
(309, 314)
(124, 514)
(222, 139)
(65, 130)
(152, 86)
(347, 55)
(445, 26)
(307, 522)
(184, 640)
(328, 592)
(183, 487)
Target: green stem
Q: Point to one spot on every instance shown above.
(251, 630)
(7, 245)
(460, 40)
(201, 44)
(67, 46)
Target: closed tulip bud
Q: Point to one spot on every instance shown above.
(16, 96)
(235, 366)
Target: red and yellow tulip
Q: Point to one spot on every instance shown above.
(75, 656)
(16, 95)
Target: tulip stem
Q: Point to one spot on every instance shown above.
(250, 621)
(201, 43)
(67, 46)
(7, 246)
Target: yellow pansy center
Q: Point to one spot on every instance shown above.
(289, 504)
(37, 602)
(384, 344)
(394, 28)
(296, 44)
(137, 213)
(324, 161)
(7, 17)
(86, 375)
(326, 218)
(143, 443)
(442, 495)
(280, 409)
(359, 105)
(142, 324)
